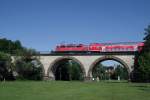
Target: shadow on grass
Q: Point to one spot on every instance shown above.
(143, 87)
(114, 81)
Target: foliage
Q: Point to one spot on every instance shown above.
(9, 46)
(5, 67)
(5, 57)
(121, 72)
(105, 73)
(68, 70)
(28, 69)
(25, 67)
(147, 40)
(76, 71)
(142, 68)
(99, 71)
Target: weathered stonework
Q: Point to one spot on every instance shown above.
(86, 62)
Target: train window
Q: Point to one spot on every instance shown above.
(128, 49)
(78, 46)
(114, 49)
(124, 49)
(121, 49)
(62, 46)
(68, 45)
(108, 49)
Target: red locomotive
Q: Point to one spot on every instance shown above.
(101, 47)
(71, 47)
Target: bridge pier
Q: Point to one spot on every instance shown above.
(87, 79)
(48, 78)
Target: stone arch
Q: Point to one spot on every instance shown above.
(51, 67)
(43, 69)
(108, 58)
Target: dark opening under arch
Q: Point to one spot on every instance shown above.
(67, 68)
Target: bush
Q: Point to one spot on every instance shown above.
(28, 69)
(5, 67)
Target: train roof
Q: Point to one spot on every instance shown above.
(117, 43)
(122, 43)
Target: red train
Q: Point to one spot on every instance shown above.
(101, 47)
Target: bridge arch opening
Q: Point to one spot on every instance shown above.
(106, 68)
(67, 69)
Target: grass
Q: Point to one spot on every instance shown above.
(59, 90)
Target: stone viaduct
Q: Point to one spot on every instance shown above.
(86, 61)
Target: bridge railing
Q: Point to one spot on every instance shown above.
(76, 53)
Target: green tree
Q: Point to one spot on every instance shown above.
(121, 72)
(5, 67)
(142, 68)
(27, 66)
(99, 71)
(11, 47)
(68, 70)
(77, 73)
(29, 69)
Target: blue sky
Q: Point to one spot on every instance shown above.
(108, 63)
(42, 24)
